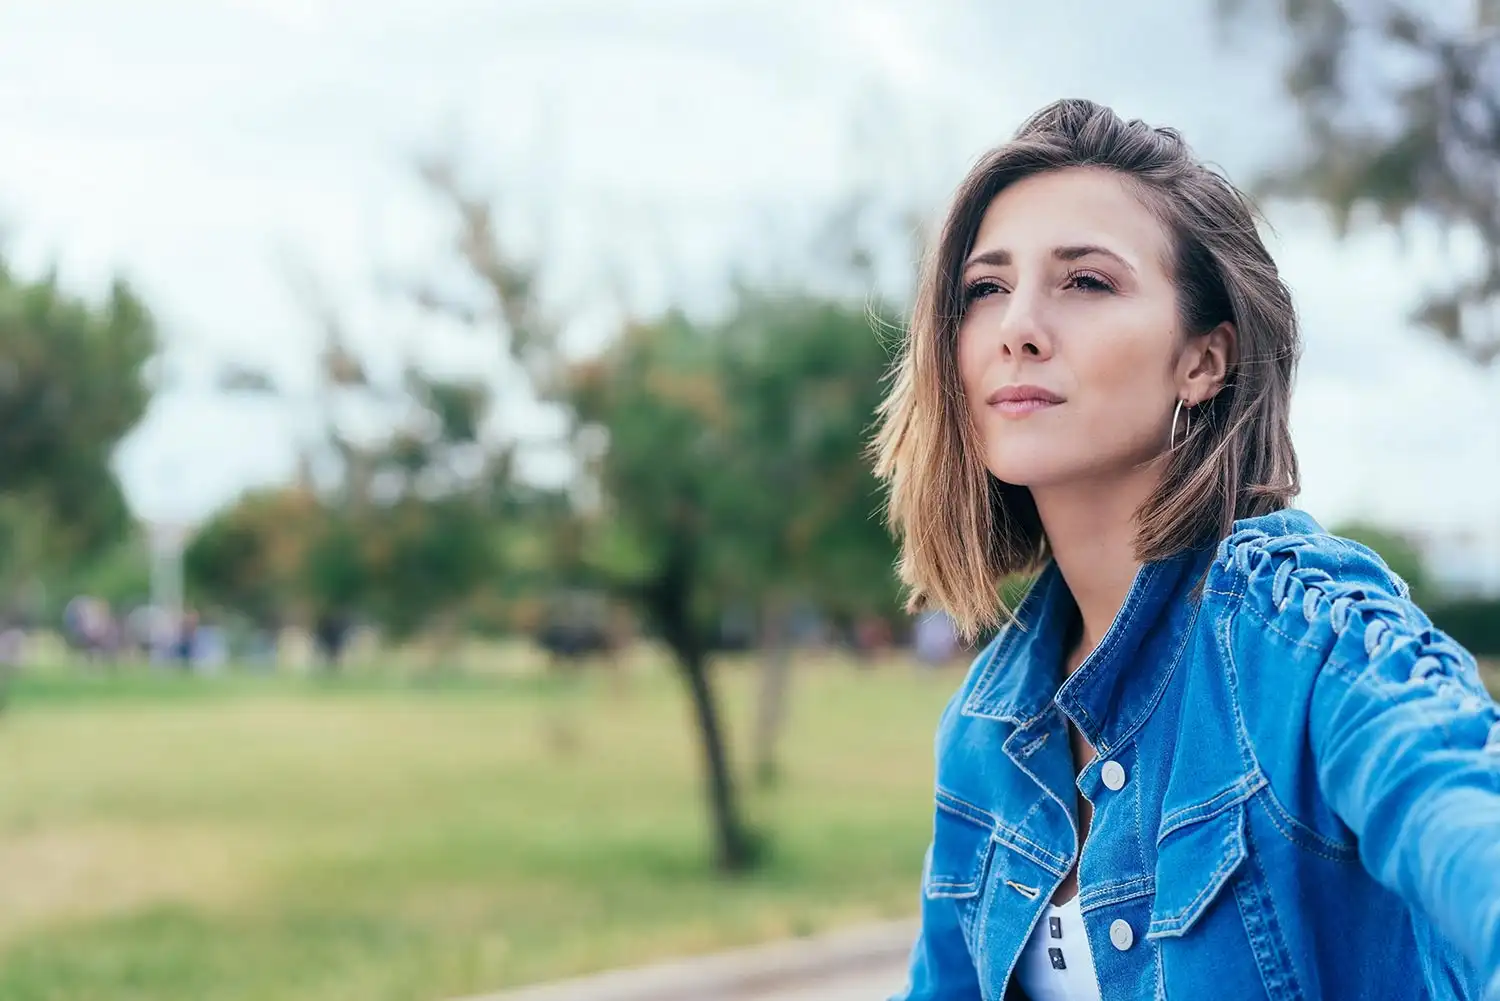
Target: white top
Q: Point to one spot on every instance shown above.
(1056, 964)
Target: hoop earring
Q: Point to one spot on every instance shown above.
(1187, 426)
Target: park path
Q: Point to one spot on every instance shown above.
(854, 964)
(877, 983)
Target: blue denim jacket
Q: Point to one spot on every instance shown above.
(1310, 804)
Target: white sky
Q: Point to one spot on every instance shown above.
(197, 145)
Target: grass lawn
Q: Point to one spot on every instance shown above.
(241, 838)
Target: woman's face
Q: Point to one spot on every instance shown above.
(1070, 347)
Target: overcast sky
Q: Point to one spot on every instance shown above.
(197, 146)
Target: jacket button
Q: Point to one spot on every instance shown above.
(1113, 775)
(1120, 935)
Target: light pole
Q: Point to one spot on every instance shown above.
(167, 539)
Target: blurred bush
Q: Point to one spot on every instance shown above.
(1473, 622)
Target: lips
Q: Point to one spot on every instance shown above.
(1022, 400)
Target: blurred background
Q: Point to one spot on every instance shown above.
(435, 548)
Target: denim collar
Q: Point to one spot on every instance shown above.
(1118, 685)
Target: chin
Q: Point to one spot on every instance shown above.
(1032, 470)
(1045, 469)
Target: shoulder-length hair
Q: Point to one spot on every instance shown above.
(961, 530)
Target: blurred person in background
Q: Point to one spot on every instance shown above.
(934, 638)
(1216, 752)
(89, 627)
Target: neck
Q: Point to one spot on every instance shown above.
(1091, 531)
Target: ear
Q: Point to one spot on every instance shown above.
(1205, 362)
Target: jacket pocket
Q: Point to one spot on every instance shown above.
(1194, 863)
(962, 843)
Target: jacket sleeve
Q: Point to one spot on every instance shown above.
(940, 967)
(1404, 739)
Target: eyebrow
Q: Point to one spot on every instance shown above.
(1001, 258)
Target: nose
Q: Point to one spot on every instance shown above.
(1023, 328)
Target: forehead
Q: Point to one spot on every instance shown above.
(1073, 207)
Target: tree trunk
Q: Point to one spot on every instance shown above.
(732, 850)
(669, 601)
(775, 680)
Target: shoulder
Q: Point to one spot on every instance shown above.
(1288, 592)
(961, 727)
(1267, 560)
(981, 669)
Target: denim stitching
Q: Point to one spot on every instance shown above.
(1320, 588)
(1111, 639)
(1018, 842)
(1283, 985)
(979, 817)
(1140, 828)
(1210, 808)
(1310, 603)
(996, 656)
(1442, 665)
(1042, 785)
(1114, 893)
(1279, 584)
(1161, 687)
(1030, 748)
(1273, 627)
(1344, 603)
(948, 885)
(1278, 814)
(1233, 852)
(1275, 917)
(1232, 677)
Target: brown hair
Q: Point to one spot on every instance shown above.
(961, 530)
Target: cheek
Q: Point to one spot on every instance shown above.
(971, 360)
(1129, 373)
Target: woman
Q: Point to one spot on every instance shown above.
(1216, 752)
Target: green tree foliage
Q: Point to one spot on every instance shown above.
(405, 534)
(733, 471)
(430, 557)
(720, 463)
(1401, 106)
(251, 556)
(73, 382)
(658, 397)
(803, 376)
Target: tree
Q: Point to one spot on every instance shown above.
(1401, 109)
(250, 556)
(399, 530)
(801, 508)
(73, 382)
(658, 396)
(647, 425)
(734, 472)
(718, 463)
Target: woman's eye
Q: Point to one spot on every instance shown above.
(980, 288)
(1088, 281)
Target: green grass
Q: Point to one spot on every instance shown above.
(249, 837)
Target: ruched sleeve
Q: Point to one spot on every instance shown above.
(1403, 739)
